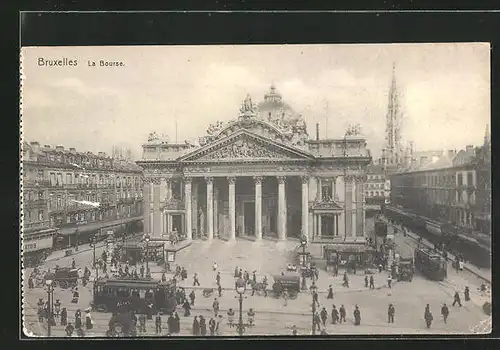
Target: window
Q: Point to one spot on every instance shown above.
(469, 179)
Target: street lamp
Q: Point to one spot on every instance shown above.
(50, 293)
(94, 243)
(146, 238)
(313, 290)
(303, 244)
(240, 289)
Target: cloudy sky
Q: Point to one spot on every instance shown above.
(445, 91)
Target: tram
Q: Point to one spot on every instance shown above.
(431, 264)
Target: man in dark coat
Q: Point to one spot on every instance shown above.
(456, 298)
(390, 312)
(357, 316)
(177, 323)
(186, 307)
(192, 297)
(330, 292)
(445, 312)
(467, 294)
(324, 316)
(203, 326)
(317, 321)
(219, 290)
(64, 317)
(335, 315)
(141, 270)
(142, 323)
(211, 326)
(366, 281)
(372, 282)
(217, 278)
(158, 323)
(69, 329)
(171, 324)
(196, 326)
(342, 313)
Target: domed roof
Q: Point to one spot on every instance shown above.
(274, 106)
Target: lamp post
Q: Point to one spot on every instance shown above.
(50, 292)
(94, 243)
(147, 253)
(303, 244)
(240, 289)
(313, 290)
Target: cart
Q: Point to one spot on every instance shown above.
(288, 282)
(66, 277)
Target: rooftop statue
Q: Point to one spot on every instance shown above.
(153, 137)
(248, 107)
(353, 130)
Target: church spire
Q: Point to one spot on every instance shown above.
(393, 121)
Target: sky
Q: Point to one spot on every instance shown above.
(445, 91)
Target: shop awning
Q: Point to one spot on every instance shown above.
(97, 225)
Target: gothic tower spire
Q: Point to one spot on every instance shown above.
(393, 119)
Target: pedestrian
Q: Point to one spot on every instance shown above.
(69, 329)
(171, 324)
(466, 294)
(285, 297)
(141, 270)
(218, 325)
(142, 323)
(31, 284)
(254, 277)
(158, 323)
(335, 315)
(184, 274)
(461, 265)
(304, 285)
(73, 263)
(163, 276)
(240, 273)
(192, 297)
(456, 298)
(330, 292)
(177, 323)
(357, 316)
(372, 282)
(445, 312)
(315, 297)
(214, 266)
(211, 327)
(428, 319)
(324, 316)
(366, 281)
(230, 316)
(219, 289)
(89, 324)
(76, 296)
(389, 281)
(196, 326)
(64, 317)
(78, 319)
(294, 330)
(196, 282)
(57, 308)
(342, 313)
(236, 272)
(215, 306)
(187, 308)
(380, 267)
(390, 312)
(203, 326)
(217, 278)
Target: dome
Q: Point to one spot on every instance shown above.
(273, 107)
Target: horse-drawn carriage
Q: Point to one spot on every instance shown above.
(288, 282)
(66, 277)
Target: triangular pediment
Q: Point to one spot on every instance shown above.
(327, 205)
(245, 145)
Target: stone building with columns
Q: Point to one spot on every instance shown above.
(258, 176)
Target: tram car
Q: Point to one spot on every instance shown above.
(142, 295)
(431, 264)
(37, 246)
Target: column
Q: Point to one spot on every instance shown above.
(156, 209)
(359, 207)
(170, 223)
(336, 225)
(187, 207)
(305, 206)
(151, 221)
(194, 205)
(354, 206)
(334, 187)
(315, 227)
(210, 207)
(216, 212)
(232, 207)
(348, 206)
(320, 233)
(163, 190)
(318, 188)
(281, 208)
(163, 227)
(146, 189)
(258, 207)
(168, 185)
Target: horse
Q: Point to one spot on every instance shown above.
(258, 287)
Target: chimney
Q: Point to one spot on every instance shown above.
(469, 148)
(317, 131)
(60, 148)
(72, 149)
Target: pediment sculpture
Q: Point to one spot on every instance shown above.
(243, 149)
(248, 108)
(353, 130)
(153, 136)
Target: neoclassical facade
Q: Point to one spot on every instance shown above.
(257, 176)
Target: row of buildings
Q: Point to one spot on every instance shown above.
(77, 192)
(451, 187)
